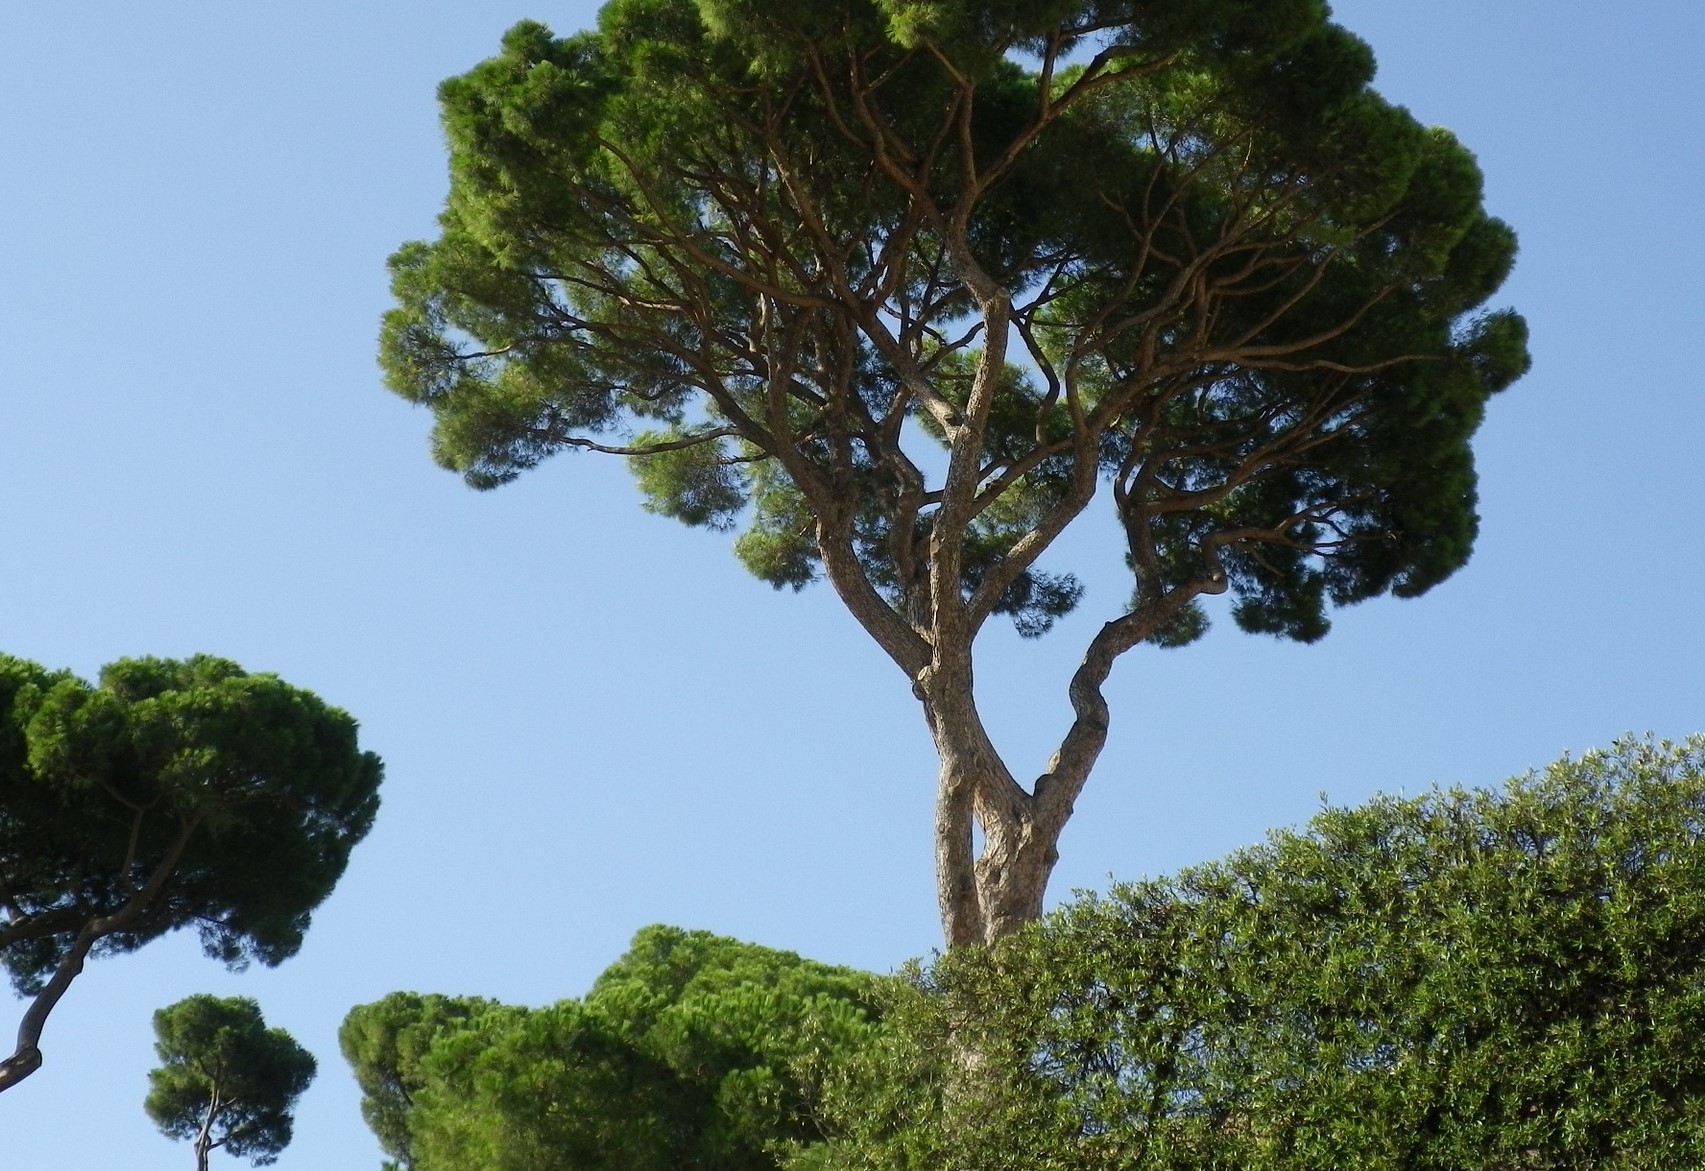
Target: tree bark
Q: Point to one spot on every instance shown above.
(988, 895)
(984, 897)
(204, 1143)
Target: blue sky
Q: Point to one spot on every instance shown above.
(592, 718)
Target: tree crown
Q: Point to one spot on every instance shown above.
(225, 1079)
(897, 287)
(691, 1050)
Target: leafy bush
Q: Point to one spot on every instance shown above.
(1460, 980)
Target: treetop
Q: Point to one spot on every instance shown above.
(771, 253)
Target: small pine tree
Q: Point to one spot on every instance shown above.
(225, 1079)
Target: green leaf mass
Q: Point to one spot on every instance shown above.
(239, 795)
(1462, 980)
(692, 1050)
(225, 1080)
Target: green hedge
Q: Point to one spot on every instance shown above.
(1461, 980)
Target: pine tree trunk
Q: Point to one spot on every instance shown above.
(989, 895)
(204, 1138)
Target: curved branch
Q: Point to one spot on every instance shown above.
(693, 440)
(26, 1056)
(1057, 789)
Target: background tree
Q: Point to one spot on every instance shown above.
(902, 287)
(225, 1079)
(385, 1043)
(172, 794)
(690, 1051)
(1462, 980)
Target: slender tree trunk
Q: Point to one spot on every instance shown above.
(204, 1143)
(26, 1057)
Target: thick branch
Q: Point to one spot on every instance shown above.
(1057, 789)
(26, 1056)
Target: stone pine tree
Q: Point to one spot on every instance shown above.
(901, 289)
(170, 794)
(690, 1051)
(225, 1080)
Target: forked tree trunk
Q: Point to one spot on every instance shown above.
(204, 1143)
(987, 896)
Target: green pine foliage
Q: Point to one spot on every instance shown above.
(736, 241)
(692, 1050)
(385, 1043)
(169, 794)
(1460, 981)
(262, 784)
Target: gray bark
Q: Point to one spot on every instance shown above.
(984, 897)
(204, 1143)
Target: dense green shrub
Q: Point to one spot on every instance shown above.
(1460, 980)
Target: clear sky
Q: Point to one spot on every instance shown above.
(591, 718)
